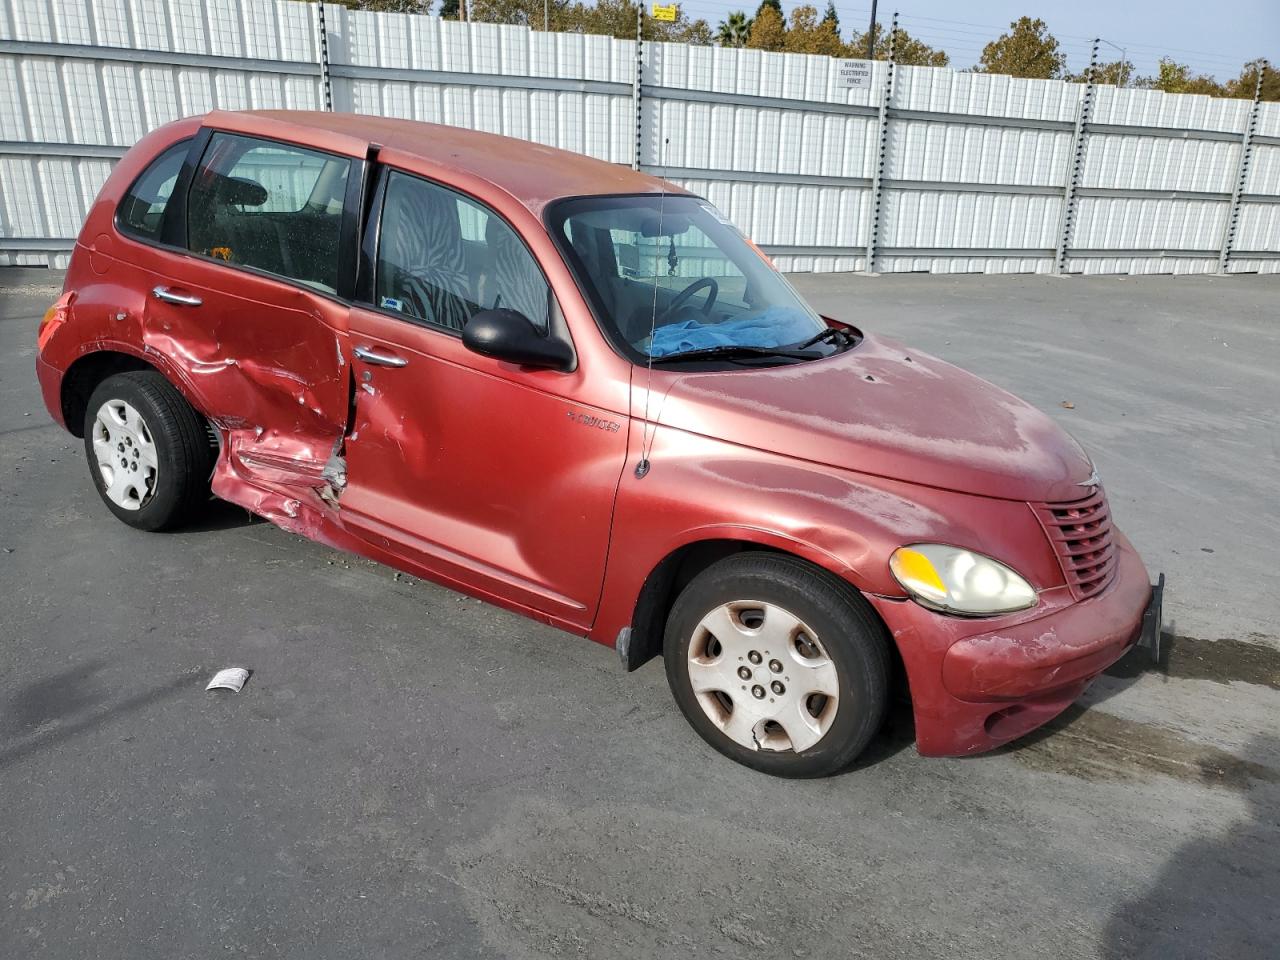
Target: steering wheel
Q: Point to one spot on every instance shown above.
(683, 296)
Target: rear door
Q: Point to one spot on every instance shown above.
(252, 312)
(496, 477)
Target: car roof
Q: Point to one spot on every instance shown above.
(532, 173)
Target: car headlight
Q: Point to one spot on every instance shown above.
(959, 581)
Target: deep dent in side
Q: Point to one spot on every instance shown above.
(285, 465)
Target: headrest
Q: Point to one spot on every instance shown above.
(239, 191)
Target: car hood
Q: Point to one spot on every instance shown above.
(883, 409)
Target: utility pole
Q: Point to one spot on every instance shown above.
(871, 33)
(546, 15)
(1122, 78)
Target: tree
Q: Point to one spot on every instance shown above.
(1027, 50)
(907, 50)
(394, 6)
(832, 17)
(1118, 72)
(449, 9)
(527, 13)
(807, 35)
(1174, 77)
(1243, 86)
(768, 32)
(734, 30)
(617, 18)
(775, 4)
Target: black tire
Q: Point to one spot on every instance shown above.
(184, 453)
(850, 633)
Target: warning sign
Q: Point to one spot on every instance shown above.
(853, 73)
(665, 13)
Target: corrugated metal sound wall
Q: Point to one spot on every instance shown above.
(932, 169)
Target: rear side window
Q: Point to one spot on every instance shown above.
(142, 209)
(270, 206)
(443, 257)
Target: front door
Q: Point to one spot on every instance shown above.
(482, 471)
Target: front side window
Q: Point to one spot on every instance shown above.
(270, 206)
(669, 275)
(142, 210)
(442, 258)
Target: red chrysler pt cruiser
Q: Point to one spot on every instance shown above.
(580, 393)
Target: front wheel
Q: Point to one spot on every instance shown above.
(778, 665)
(149, 452)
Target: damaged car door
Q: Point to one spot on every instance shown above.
(254, 317)
(478, 469)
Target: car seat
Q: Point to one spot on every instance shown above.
(511, 279)
(422, 254)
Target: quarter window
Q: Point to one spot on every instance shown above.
(442, 258)
(270, 206)
(142, 210)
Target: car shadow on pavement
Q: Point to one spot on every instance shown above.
(218, 515)
(897, 734)
(54, 709)
(1218, 895)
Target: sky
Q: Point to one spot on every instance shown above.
(1213, 38)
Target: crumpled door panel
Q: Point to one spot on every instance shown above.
(268, 366)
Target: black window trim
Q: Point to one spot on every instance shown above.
(367, 281)
(173, 225)
(117, 219)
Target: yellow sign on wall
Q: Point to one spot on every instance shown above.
(665, 13)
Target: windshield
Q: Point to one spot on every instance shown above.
(670, 275)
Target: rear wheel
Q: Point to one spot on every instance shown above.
(149, 452)
(778, 665)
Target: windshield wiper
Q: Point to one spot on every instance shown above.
(735, 352)
(843, 338)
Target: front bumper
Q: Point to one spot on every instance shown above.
(973, 691)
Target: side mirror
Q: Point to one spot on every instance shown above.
(507, 335)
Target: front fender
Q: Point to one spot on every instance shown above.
(699, 489)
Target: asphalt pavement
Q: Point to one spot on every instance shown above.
(409, 773)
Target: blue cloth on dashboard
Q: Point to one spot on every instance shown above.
(774, 327)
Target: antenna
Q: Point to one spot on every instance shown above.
(648, 437)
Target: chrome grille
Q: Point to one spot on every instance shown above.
(1080, 532)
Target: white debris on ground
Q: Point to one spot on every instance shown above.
(232, 678)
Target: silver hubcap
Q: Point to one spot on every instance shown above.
(126, 455)
(763, 677)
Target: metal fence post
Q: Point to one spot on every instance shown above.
(1075, 168)
(325, 80)
(635, 83)
(1242, 173)
(877, 175)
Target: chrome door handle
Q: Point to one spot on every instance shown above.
(181, 299)
(368, 355)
